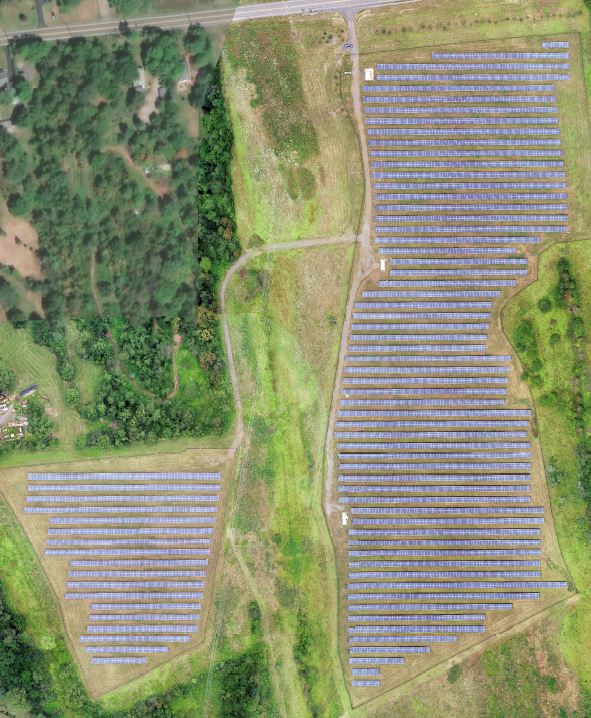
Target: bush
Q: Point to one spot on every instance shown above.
(7, 379)
(545, 305)
(454, 673)
(72, 396)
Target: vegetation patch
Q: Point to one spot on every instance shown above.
(297, 169)
(286, 348)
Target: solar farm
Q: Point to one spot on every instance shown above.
(130, 553)
(444, 537)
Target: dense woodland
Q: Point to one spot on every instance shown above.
(113, 198)
(156, 261)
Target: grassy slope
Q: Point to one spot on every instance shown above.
(297, 169)
(286, 313)
(553, 400)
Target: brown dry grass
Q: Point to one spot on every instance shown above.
(22, 256)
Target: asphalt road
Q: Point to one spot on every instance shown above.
(280, 8)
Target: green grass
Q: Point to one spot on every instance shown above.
(268, 55)
(554, 389)
(286, 349)
(434, 22)
(33, 364)
(297, 167)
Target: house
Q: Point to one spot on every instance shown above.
(139, 84)
(4, 79)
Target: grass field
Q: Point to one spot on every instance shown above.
(286, 313)
(555, 393)
(452, 21)
(297, 169)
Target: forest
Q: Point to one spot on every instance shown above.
(113, 197)
(133, 273)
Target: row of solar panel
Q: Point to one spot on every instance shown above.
(146, 628)
(500, 55)
(127, 638)
(525, 596)
(116, 509)
(424, 489)
(452, 140)
(422, 607)
(445, 553)
(195, 531)
(460, 239)
(436, 533)
(394, 337)
(434, 412)
(124, 552)
(143, 607)
(475, 77)
(138, 562)
(459, 584)
(143, 617)
(458, 563)
(427, 478)
(459, 120)
(124, 476)
(108, 498)
(96, 488)
(409, 510)
(444, 542)
(372, 630)
(462, 66)
(491, 207)
(455, 131)
(174, 520)
(130, 595)
(132, 542)
(135, 584)
(387, 109)
(453, 87)
(499, 229)
(453, 99)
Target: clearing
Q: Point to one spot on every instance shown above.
(297, 169)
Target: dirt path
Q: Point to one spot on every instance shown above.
(123, 152)
(241, 262)
(177, 341)
(287, 699)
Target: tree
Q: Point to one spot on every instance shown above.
(161, 54)
(7, 379)
(72, 396)
(198, 43)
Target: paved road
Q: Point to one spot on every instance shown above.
(279, 8)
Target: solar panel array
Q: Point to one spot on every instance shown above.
(434, 468)
(155, 539)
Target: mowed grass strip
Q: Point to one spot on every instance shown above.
(450, 21)
(297, 169)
